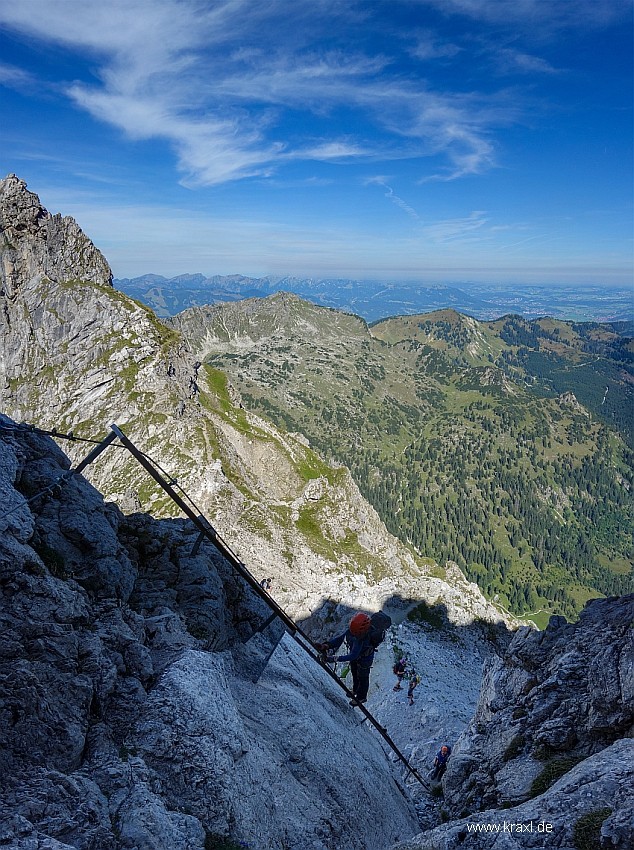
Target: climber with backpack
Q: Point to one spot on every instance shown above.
(399, 671)
(414, 682)
(440, 762)
(363, 636)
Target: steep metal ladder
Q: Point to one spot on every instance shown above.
(208, 532)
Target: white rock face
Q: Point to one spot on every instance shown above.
(271, 762)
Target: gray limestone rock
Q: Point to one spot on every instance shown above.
(35, 242)
(591, 806)
(554, 698)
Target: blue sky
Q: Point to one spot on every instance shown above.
(432, 140)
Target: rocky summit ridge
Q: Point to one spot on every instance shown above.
(36, 244)
(141, 707)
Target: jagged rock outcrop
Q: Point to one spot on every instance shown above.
(590, 807)
(551, 741)
(554, 697)
(130, 714)
(72, 349)
(569, 400)
(36, 243)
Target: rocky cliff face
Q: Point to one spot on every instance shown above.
(77, 354)
(589, 808)
(38, 244)
(551, 741)
(138, 710)
(72, 348)
(554, 698)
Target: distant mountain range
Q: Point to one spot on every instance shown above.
(375, 300)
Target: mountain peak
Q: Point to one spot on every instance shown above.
(33, 242)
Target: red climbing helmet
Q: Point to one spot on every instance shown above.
(360, 624)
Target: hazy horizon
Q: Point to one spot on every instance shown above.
(485, 140)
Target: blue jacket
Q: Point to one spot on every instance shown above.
(442, 758)
(361, 650)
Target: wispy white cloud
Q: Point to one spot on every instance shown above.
(537, 13)
(428, 46)
(333, 150)
(300, 183)
(152, 71)
(197, 77)
(512, 34)
(16, 78)
(457, 229)
(392, 196)
(514, 61)
(463, 230)
(544, 237)
(470, 153)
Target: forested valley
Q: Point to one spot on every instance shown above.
(503, 446)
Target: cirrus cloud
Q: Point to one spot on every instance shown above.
(198, 78)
